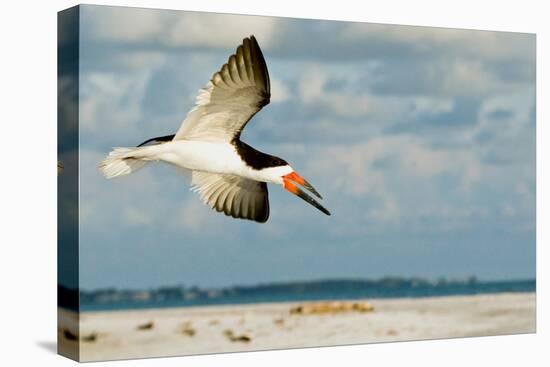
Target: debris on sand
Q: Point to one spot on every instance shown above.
(363, 307)
(279, 321)
(69, 335)
(244, 338)
(188, 329)
(147, 326)
(92, 337)
(331, 308)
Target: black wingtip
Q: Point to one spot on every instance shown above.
(253, 40)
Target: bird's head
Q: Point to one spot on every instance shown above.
(286, 176)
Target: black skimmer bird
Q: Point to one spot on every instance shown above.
(229, 175)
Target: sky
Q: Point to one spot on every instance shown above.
(421, 141)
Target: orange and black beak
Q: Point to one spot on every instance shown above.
(289, 182)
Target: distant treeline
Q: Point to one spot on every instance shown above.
(300, 290)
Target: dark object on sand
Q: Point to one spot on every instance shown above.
(69, 336)
(90, 338)
(188, 330)
(244, 338)
(147, 326)
(331, 308)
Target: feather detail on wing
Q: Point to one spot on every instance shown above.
(232, 96)
(234, 196)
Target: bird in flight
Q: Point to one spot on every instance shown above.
(229, 175)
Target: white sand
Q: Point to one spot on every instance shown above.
(216, 329)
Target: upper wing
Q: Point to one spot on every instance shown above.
(235, 196)
(232, 96)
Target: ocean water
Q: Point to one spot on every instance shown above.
(329, 290)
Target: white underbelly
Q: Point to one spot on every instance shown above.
(203, 156)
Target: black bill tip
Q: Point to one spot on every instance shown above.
(301, 194)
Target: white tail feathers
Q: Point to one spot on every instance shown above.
(120, 162)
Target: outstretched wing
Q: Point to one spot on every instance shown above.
(233, 195)
(232, 96)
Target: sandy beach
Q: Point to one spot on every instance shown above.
(215, 329)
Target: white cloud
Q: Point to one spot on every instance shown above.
(388, 212)
(395, 180)
(111, 100)
(175, 28)
(219, 30)
(518, 107)
(129, 201)
(123, 24)
(350, 102)
(467, 78)
(483, 44)
(424, 105)
(311, 84)
(194, 216)
(312, 91)
(137, 217)
(279, 91)
(419, 160)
